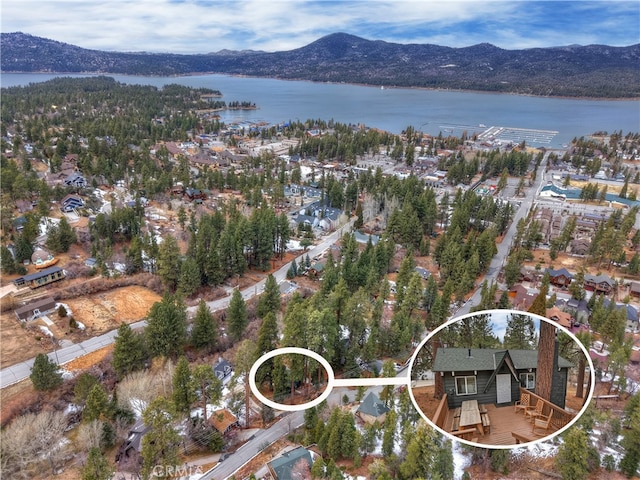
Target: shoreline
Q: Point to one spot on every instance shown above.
(370, 85)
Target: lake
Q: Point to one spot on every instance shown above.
(393, 109)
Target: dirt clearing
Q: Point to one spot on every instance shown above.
(107, 310)
(99, 313)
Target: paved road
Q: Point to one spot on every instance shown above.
(504, 247)
(22, 370)
(253, 446)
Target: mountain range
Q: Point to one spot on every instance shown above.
(598, 71)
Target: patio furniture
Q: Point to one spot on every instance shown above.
(470, 416)
(456, 412)
(467, 433)
(455, 425)
(534, 412)
(523, 404)
(486, 424)
(542, 421)
(483, 409)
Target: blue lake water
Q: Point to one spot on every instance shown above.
(393, 109)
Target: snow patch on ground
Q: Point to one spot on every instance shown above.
(46, 331)
(138, 406)
(461, 460)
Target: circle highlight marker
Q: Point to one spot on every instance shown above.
(285, 351)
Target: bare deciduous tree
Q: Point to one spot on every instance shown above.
(31, 439)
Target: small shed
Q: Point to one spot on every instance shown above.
(223, 420)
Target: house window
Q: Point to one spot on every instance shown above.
(528, 380)
(466, 385)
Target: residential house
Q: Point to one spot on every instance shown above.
(560, 317)
(580, 246)
(630, 311)
(309, 220)
(579, 310)
(282, 468)
(634, 289)
(129, 456)
(40, 278)
(598, 283)
(560, 278)
(287, 288)
(195, 194)
(372, 409)
(223, 370)
(521, 297)
(423, 272)
(71, 202)
(316, 269)
(223, 421)
(75, 180)
(494, 376)
(365, 238)
(35, 309)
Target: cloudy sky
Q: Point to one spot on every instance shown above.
(201, 26)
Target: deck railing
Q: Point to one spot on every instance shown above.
(560, 416)
(441, 412)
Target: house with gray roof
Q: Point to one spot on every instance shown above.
(282, 468)
(561, 277)
(372, 409)
(494, 376)
(598, 283)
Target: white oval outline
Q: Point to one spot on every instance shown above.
(285, 351)
(519, 445)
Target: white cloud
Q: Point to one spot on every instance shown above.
(192, 26)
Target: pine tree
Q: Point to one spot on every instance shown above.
(67, 236)
(129, 351)
(267, 341)
(97, 466)
(237, 316)
(97, 404)
(183, 393)
(520, 332)
(204, 334)
(269, 301)
(571, 460)
(209, 386)
(7, 263)
(190, 277)
(546, 346)
(45, 374)
(166, 330)
(169, 262)
(161, 443)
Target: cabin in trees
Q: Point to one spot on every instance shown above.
(223, 370)
(129, 456)
(283, 467)
(41, 278)
(372, 409)
(494, 376)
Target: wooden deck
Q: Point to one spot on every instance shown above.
(503, 421)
